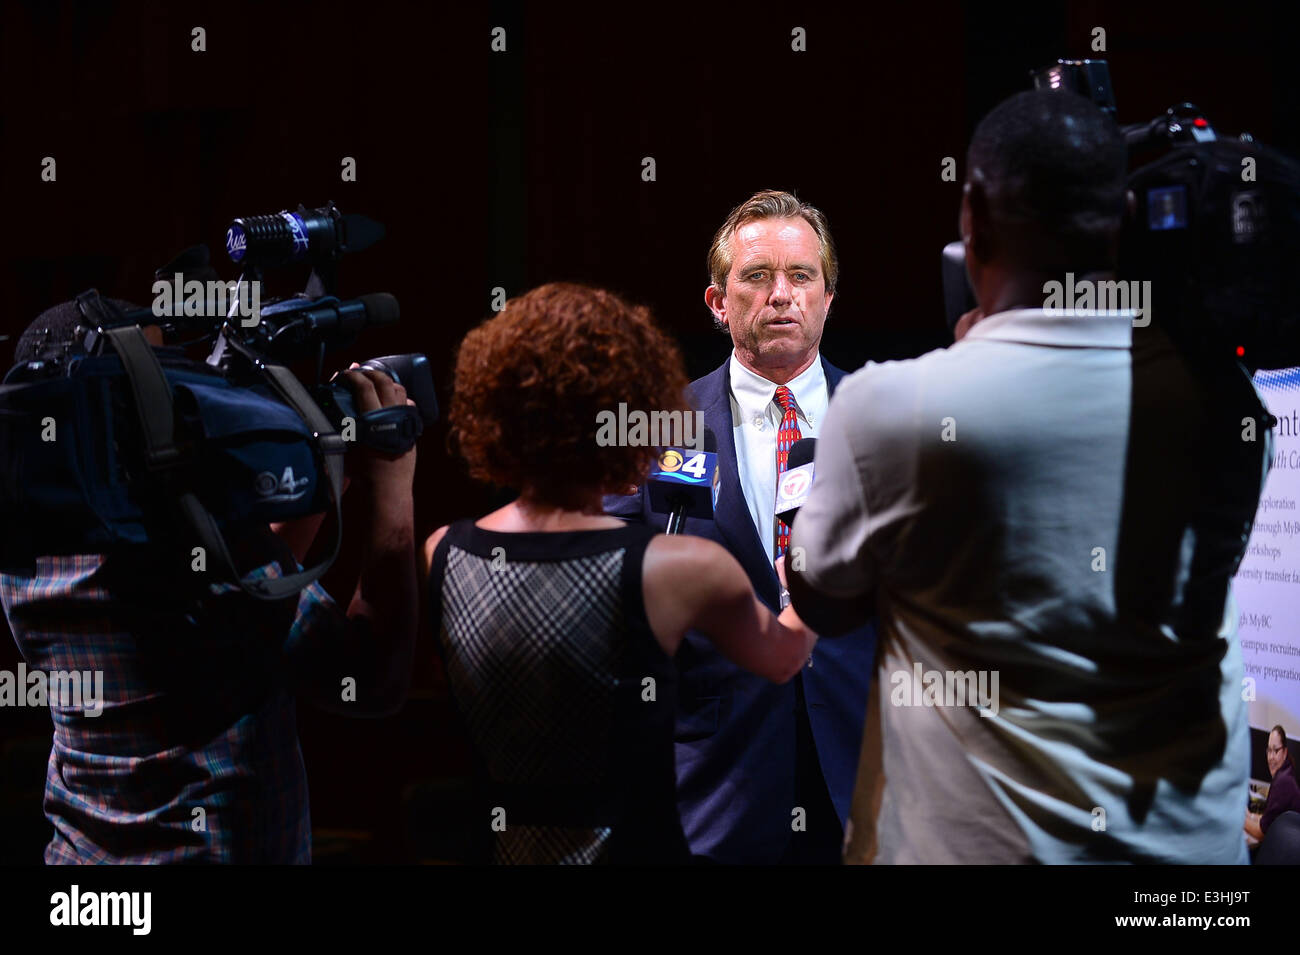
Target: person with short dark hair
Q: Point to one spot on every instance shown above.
(60, 323)
(558, 624)
(1283, 793)
(1058, 678)
(194, 756)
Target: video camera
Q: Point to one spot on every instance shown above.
(106, 441)
(309, 324)
(1216, 231)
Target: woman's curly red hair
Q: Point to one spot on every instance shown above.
(531, 381)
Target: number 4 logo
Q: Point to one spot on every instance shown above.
(695, 466)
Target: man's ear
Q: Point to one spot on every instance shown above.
(716, 299)
(975, 221)
(963, 217)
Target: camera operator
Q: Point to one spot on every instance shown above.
(1046, 516)
(195, 755)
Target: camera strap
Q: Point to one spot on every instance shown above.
(330, 445)
(154, 407)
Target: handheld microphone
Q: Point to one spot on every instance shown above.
(684, 483)
(793, 485)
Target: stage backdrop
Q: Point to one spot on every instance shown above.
(1267, 585)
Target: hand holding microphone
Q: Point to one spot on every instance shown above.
(704, 588)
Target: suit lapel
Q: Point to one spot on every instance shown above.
(712, 395)
(833, 376)
(732, 517)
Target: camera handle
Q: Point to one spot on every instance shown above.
(391, 430)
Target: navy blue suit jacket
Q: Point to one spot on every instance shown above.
(735, 734)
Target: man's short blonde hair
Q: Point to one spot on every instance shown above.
(771, 204)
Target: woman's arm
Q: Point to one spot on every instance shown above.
(690, 583)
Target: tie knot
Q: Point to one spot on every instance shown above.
(784, 398)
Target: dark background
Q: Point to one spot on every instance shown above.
(512, 169)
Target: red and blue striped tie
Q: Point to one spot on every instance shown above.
(786, 436)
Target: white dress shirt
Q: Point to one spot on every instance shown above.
(756, 419)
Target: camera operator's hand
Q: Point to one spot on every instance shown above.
(385, 604)
(372, 390)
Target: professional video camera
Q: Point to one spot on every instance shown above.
(106, 441)
(1216, 231)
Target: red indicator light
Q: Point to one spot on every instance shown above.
(1240, 351)
(1199, 122)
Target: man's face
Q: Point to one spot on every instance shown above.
(775, 302)
(1276, 753)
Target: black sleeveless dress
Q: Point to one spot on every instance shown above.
(567, 698)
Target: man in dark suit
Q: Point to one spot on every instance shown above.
(765, 773)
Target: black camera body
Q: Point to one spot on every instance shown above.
(296, 328)
(1216, 231)
(391, 430)
(106, 441)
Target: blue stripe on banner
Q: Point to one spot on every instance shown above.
(1283, 378)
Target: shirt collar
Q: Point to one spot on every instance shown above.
(1063, 328)
(754, 393)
